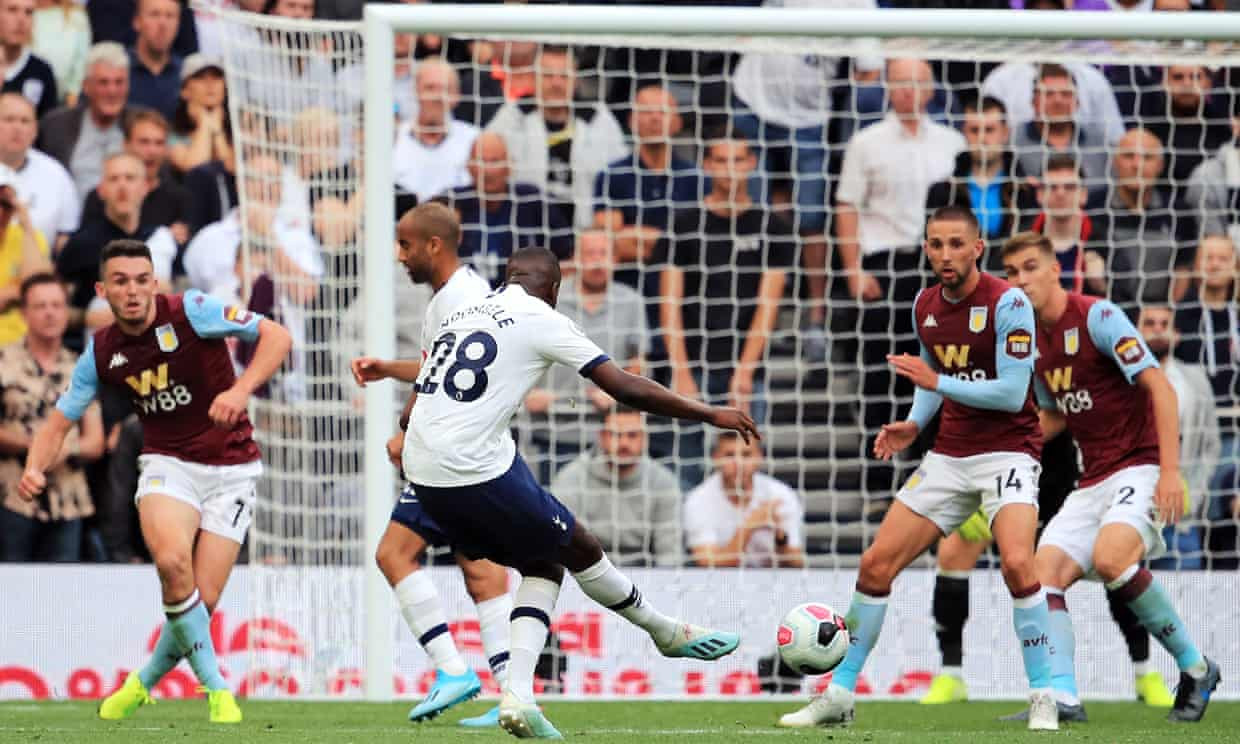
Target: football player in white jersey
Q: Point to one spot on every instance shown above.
(463, 465)
(426, 245)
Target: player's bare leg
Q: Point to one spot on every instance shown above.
(956, 558)
(398, 559)
(487, 584)
(1014, 527)
(1117, 559)
(903, 535)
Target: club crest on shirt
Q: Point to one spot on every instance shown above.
(1072, 341)
(1129, 350)
(1019, 343)
(166, 337)
(977, 319)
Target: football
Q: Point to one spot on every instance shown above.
(813, 638)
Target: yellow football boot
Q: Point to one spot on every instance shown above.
(122, 703)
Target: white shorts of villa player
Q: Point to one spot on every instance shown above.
(948, 490)
(222, 494)
(1125, 497)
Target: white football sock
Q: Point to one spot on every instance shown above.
(531, 619)
(419, 605)
(493, 620)
(603, 583)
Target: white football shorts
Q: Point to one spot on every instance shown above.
(1126, 497)
(223, 494)
(947, 490)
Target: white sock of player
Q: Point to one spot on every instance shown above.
(419, 605)
(603, 583)
(531, 619)
(493, 620)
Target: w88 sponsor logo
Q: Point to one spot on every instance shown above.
(970, 375)
(1075, 402)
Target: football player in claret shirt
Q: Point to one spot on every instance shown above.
(199, 460)
(977, 349)
(1096, 377)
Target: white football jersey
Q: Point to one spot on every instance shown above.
(483, 360)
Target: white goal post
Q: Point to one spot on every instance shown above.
(927, 33)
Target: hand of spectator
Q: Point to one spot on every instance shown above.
(602, 401)
(228, 407)
(863, 286)
(395, 446)
(539, 400)
(684, 384)
(1169, 497)
(894, 438)
(212, 119)
(22, 214)
(735, 420)
(180, 232)
(740, 388)
(915, 369)
(762, 517)
(32, 484)
(367, 369)
(258, 219)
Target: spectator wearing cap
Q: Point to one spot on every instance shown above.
(43, 184)
(23, 253)
(83, 136)
(33, 374)
(200, 125)
(62, 39)
(154, 69)
(24, 72)
(167, 202)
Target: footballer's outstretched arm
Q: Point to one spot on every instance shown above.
(274, 343)
(651, 397)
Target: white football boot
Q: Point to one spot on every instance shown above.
(832, 708)
(1043, 711)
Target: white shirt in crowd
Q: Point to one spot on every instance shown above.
(484, 358)
(794, 90)
(427, 171)
(886, 175)
(711, 518)
(47, 190)
(1013, 82)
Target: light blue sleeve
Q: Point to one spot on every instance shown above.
(83, 387)
(925, 402)
(211, 318)
(1014, 353)
(1045, 399)
(1115, 336)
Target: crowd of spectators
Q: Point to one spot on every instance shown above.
(707, 207)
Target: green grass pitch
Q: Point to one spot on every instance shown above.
(185, 722)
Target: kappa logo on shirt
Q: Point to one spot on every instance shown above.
(930, 322)
(118, 360)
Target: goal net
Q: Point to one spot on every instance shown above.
(710, 196)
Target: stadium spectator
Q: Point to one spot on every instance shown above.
(43, 184)
(1076, 235)
(167, 202)
(433, 147)
(741, 517)
(631, 502)
(122, 190)
(1209, 328)
(112, 20)
(635, 197)
(23, 253)
(727, 269)
(154, 69)
(1015, 84)
(558, 144)
(213, 184)
(565, 406)
(200, 122)
(33, 374)
(880, 213)
(61, 37)
(985, 179)
(82, 136)
(498, 216)
(1152, 240)
(1134, 83)
(24, 72)
(1186, 115)
(1214, 189)
(496, 73)
(1056, 128)
(1199, 433)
